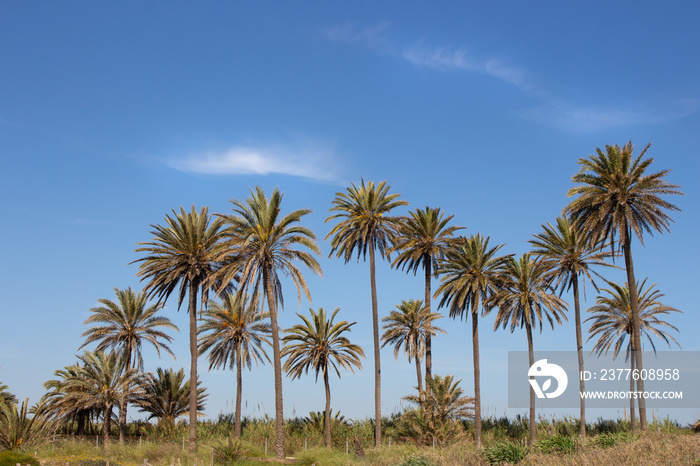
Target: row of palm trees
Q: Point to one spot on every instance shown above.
(243, 254)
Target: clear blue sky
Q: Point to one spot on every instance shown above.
(112, 114)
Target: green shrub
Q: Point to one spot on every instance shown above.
(558, 444)
(505, 452)
(12, 458)
(230, 451)
(413, 460)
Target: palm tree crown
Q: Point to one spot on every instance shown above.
(408, 327)
(612, 318)
(165, 395)
(124, 326)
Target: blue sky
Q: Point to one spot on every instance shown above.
(112, 115)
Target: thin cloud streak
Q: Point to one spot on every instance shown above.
(442, 59)
(311, 163)
(371, 37)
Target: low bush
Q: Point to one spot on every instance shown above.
(558, 444)
(505, 452)
(12, 458)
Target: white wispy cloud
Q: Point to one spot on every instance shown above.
(441, 58)
(309, 161)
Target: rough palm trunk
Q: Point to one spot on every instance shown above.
(633, 422)
(531, 357)
(428, 338)
(277, 363)
(419, 376)
(107, 425)
(579, 350)
(477, 373)
(377, 362)
(327, 414)
(194, 287)
(122, 419)
(636, 324)
(239, 391)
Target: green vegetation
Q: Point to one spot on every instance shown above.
(13, 458)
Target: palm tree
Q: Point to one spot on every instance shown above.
(422, 239)
(525, 299)
(19, 429)
(365, 225)
(470, 275)
(234, 332)
(409, 327)
(166, 395)
(5, 395)
(185, 251)
(613, 323)
(262, 245)
(319, 343)
(567, 254)
(617, 198)
(438, 417)
(58, 400)
(123, 327)
(100, 383)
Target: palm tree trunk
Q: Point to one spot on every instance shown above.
(239, 391)
(633, 422)
(327, 414)
(477, 373)
(428, 337)
(107, 425)
(531, 357)
(277, 363)
(194, 287)
(579, 350)
(122, 419)
(377, 362)
(419, 376)
(636, 323)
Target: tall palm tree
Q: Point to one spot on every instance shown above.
(422, 239)
(365, 225)
(470, 276)
(409, 327)
(613, 323)
(123, 327)
(568, 255)
(233, 332)
(100, 382)
(184, 252)
(616, 199)
(319, 343)
(525, 299)
(165, 395)
(262, 244)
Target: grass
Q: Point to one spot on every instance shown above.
(608, 442)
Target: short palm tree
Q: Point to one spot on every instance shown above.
(408, 328)
(320, 344)
(422, 239)
(184, 252)
(261, 245)
(525, 299)
(100, 382)
(469, 277)
(233, 332)
(124, 327)
(365, 225)
(616, 198)
(58, 400)
(165, 395)
(568, 255)
(438, 418)
(22, 427)
(613, 323)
